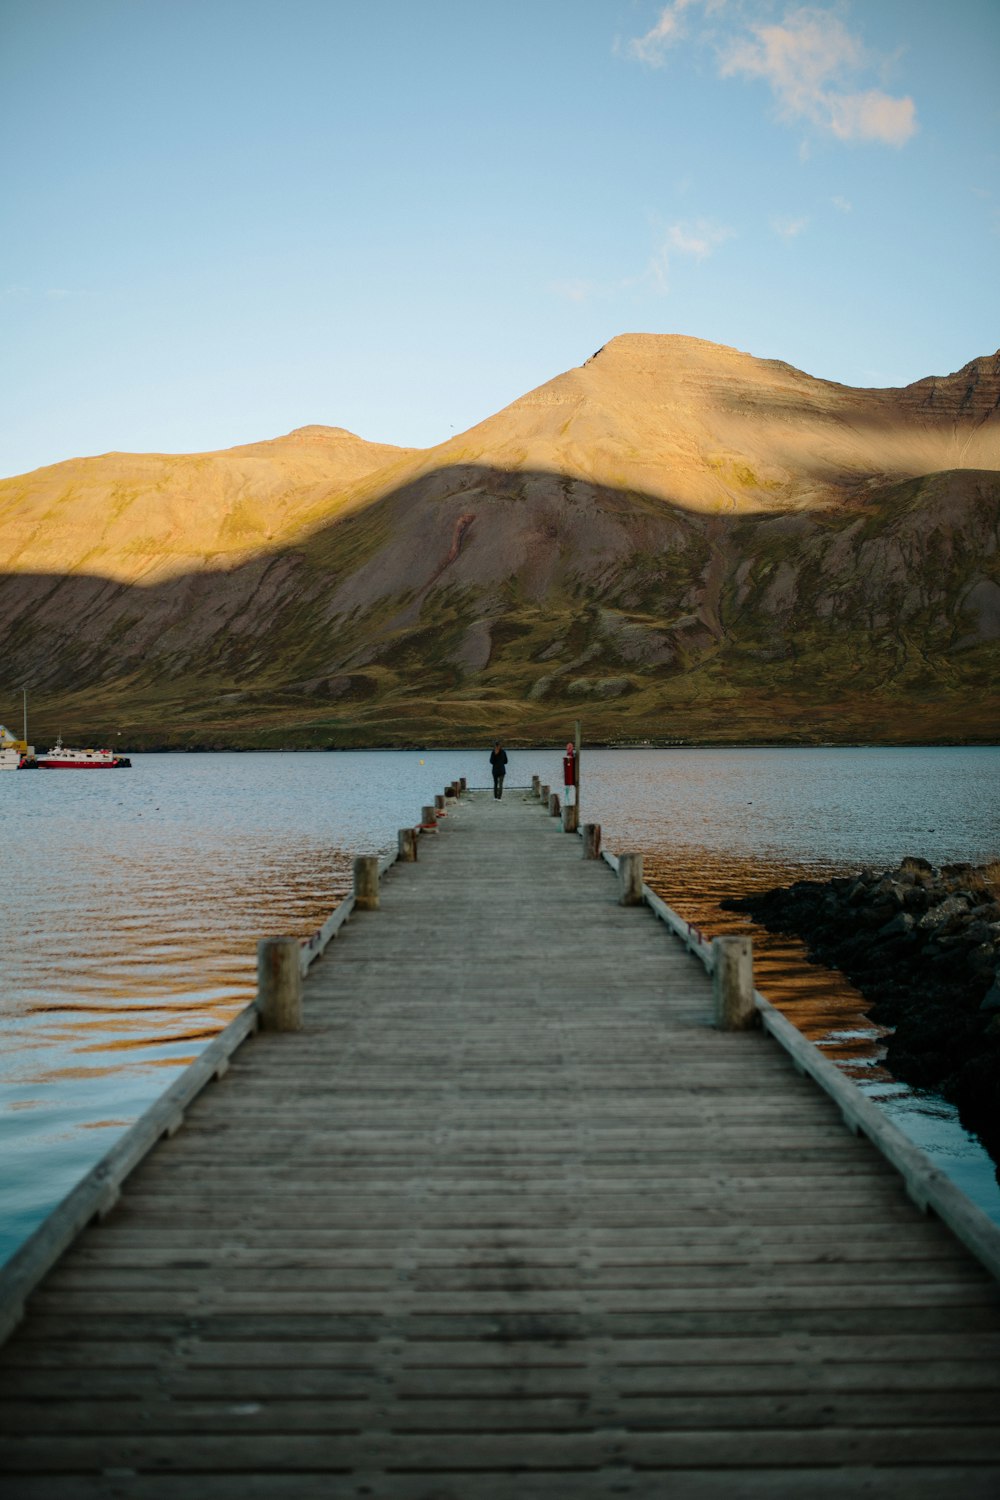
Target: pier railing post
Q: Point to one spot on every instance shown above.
(279, 984)
(591, 840)
(630, 880)
(570, 817)
(732, 984)
(553, 804)
(439, 803)
(408, 844)
(543, 792)
(366, 883)
(463, 784)
(428, 818)
(536, 787)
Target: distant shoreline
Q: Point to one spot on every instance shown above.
(512, 744)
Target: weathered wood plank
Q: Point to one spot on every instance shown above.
(838, 1482)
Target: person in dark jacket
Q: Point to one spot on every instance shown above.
(498, 765)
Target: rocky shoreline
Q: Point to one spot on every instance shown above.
(922, 944)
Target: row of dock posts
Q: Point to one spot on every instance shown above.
(283, 961)
(730, 960)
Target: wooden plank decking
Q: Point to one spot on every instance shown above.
(510, 1218)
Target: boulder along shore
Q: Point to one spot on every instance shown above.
(922, 944)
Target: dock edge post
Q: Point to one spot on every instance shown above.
(536, 788)
(570, 817)
(366, 883)
(732, 984)
(630, 880)
(591, 840)
(407, 845)
(279, 984)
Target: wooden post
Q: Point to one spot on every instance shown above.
(439, 803)
(576, 773)
(408, 844)
(732, 984)
(366, 883)
(591, 840)
(463, 783)
(570, 817)
(536, 787)
(428, 818)
(279, 984)
(630, 879)
(553, 804)
(543, 792)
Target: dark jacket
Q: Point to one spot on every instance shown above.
(498, 762)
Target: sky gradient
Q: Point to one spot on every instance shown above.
(223, 219)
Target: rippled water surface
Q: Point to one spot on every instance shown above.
(132, 902)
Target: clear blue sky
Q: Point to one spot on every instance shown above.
(223, 219)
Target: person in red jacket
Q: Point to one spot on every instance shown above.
(498, 765)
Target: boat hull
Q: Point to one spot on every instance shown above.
(84, 765)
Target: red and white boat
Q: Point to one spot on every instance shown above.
(60, 758)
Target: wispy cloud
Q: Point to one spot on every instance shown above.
(666, 31)
(696, 239)
(815, 68)
(693, 239)
(788, 228)
(843, 204)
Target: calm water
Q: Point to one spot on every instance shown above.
(132, 904)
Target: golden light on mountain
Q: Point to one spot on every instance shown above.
(676, 538)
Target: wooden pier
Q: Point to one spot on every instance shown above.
(509, 1217)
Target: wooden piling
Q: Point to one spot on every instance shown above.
(591, 840)
(366, 883)
(553, 804)
(543, 793)
(408, 844)
(536, 787)
(570, 817)
(428, 818)
(439, 803)
(463, 784)
(630, 880)
(732, 984)
(279, 984)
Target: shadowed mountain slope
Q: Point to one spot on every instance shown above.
(675, 541)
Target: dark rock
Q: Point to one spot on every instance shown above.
(923, 947)
(944, 912)
(901, 925)
(991, 1000)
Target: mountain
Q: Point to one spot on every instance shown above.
(674, 541)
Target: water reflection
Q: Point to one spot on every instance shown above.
(824, 1005)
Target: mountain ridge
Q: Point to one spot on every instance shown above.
(673, 536)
